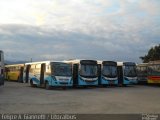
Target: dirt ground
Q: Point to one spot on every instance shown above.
(21, 98)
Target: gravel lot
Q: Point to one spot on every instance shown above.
(21, 98)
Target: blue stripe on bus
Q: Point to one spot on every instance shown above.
(108, 82)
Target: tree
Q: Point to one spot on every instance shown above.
(153, 54)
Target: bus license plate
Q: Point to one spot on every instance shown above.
(111, 82)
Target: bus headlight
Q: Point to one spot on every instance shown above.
(54, 78)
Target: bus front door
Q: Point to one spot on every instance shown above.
(27, 73)
(42, 73)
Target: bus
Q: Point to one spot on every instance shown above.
(126, 73)
(14, 72)
(154, 72)
(142, 72)
(108, 73)
(85, 72)
(48, 74)
(1, 68)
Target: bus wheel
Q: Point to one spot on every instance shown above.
(31, 83)
(18, 79)
(47, 86)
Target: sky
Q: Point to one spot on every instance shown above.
(119, 30)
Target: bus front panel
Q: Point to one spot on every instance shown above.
(88, 73)
(109, 73)
(61, 74)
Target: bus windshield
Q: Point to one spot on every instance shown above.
(130, 71)
(154, 70)
(61, 69)
(109, 71)
(142, 71)
(88, 70)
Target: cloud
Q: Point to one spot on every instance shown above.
(150, 6)
(40, 44)
(65, 29)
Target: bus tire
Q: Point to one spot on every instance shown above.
(31, 83)
(47, 86)
(18, 79)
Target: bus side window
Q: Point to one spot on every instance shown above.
(32, 69)
(48, 67)
(10, 69)
(6, 70)
(48, 70)
(158, 68)
(37, 69)
(13, 69)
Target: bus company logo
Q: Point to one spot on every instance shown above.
(150, 117)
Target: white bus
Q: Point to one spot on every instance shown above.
(1, 67)
(85, 72)
(142, 72)
(47, 74)
(126, 73)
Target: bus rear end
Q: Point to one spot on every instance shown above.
(153, 72)
(14, 72)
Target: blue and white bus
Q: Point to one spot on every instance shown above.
(126, 73)
(1, 68)
(48, 74)
(108, 73)
(85, 72)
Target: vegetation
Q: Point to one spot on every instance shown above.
(153, 54)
